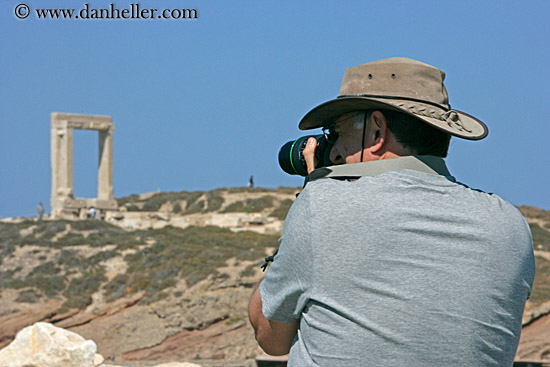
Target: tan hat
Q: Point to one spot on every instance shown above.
(399, 84)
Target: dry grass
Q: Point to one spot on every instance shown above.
(191, 254)
(541, 287)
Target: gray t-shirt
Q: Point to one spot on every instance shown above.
(401, 269)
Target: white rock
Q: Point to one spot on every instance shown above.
(44, 345)
(177, 364)
(98, 359)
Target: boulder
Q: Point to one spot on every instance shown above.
(177, 364)
(44, 345)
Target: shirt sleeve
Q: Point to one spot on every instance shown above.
(286, 287)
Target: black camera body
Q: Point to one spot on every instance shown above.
(291, 157)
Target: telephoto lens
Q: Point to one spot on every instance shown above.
(291, 157)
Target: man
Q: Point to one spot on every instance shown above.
(398, 265)
(40, 211)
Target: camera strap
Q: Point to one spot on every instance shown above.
(421, 163)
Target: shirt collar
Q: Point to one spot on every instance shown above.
(422, 163)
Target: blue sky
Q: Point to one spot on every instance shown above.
(201, 104)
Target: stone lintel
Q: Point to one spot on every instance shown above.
(94, 125)
(83, 122)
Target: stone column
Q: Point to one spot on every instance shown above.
(62, 163)
(105, 165)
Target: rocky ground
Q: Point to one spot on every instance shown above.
(168, 278)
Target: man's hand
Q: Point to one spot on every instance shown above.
(309, 154)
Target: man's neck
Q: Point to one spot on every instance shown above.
(391, 150)
(426, 164)
(391, 155)
(384, 155)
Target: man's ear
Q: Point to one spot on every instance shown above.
(377, 132)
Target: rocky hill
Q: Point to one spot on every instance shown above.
(168, 277)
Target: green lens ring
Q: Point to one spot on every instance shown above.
(291, 163)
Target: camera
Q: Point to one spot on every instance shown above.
(291, 157)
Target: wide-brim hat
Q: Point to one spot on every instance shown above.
(399, 84)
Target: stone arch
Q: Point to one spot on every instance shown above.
(63, 202)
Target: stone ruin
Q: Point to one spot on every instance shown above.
(63, 202)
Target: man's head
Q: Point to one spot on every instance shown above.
(380, 134)
(409, 112)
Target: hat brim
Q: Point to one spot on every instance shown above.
(323, 115)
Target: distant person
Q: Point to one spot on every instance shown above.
(93, 212)
(251, 182)
(40, 211)
(385, 258)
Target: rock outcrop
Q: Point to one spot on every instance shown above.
(44, 345)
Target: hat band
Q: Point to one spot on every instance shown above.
(451, 117)
(446, 108)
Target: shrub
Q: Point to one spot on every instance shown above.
(541, 237)
(28, 296)
(69, 259)
(541, 287)
(128, 199)
(132, 208)
(248, 271)
(94, 260)
(48, 229)
(45, 277)
(152, 205)
(44, 270)
(6, 249)
(90, 224)
(195, 207)
(234, 207)
(176, 208)
(9, 235)
(191, 197)
(214, 201)
(70, 239)
(192, 253)
(7, 279)
(80, 290)
(116, 288)
(50, 285)
(111, 236)
(250, 205)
